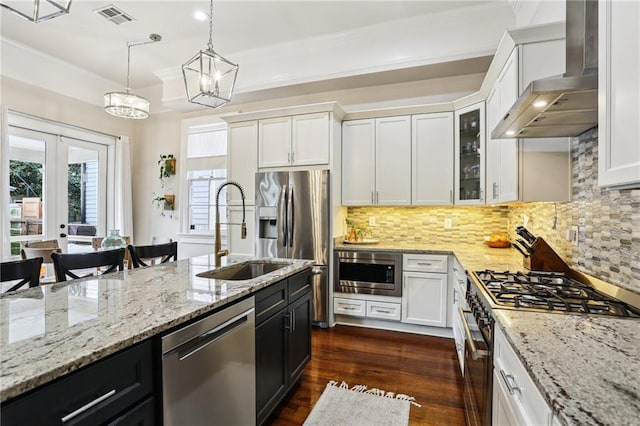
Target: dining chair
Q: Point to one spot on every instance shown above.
(65, 264)
(96, 243)
(146, 255)
(44, 253)
(27, 271)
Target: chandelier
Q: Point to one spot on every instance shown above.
(42, 10)
(208, 77)
(126, 104)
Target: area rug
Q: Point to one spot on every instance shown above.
(340, 405)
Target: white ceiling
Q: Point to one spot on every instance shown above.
(88, 41)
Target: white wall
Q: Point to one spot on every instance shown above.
(22, 97)
(159, 134)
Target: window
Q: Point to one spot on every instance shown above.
(206, 171)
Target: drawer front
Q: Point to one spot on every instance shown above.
(352, 307)
(90, 396)
(523, 395)
(299, 285)
(424, 263)
(384, 310)
(270, 300)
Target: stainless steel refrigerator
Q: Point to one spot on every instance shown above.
(293, 221)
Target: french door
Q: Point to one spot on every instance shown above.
(57, 189)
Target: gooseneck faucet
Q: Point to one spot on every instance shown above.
(243, 230)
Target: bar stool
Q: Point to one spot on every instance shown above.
(27, 271)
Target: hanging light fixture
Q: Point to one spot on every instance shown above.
(126, 104)
(208, 77)
(42, 10)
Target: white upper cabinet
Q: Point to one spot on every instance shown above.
(469, 174)
(299, 140)
(619, 93)
(535, 169)
(242, 160)
(393, 161)
(432, 159)
(358, 162)
(502, 154)
(310, 139)
(376, 161)
(274, 142)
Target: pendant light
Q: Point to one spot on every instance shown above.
(208, 77)
(43, 10)
(126, 104)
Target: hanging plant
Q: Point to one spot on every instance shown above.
(167, 166)
(164, 202)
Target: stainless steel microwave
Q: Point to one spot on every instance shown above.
(368, 272)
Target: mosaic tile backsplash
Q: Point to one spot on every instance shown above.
(425, 224)
(609, 220)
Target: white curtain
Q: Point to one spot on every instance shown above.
(123, 219)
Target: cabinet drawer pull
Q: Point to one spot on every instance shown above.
(383, 311)
(509, 380)
(349, 308)
(85, 407)
(424, 263)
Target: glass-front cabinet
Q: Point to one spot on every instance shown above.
(469, 154)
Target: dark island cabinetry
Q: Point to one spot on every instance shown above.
(117, 391)
(283, 339)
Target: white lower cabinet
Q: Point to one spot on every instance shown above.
(353, 307)
(367, 306)
(516, 400)
(383, 310)
(424, 293)
(424, 298)
(237, 245)
(459, 284)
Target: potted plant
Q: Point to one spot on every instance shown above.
(167, 166)
(166, 202)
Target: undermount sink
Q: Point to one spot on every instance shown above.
(243, 271)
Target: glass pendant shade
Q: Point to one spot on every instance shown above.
(37, 10)
(209, 79)
(126, 105)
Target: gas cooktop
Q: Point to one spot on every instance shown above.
(550, 291)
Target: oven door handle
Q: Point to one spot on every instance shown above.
(475, 352)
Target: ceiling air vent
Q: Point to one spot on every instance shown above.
(113, 14)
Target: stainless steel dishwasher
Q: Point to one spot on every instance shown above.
(208, 370)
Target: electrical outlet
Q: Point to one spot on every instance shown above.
(447, 223)
(572, 235)
(372, 221)
(525, 220)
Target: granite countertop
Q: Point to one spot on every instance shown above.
(54, 329)
(586, 367)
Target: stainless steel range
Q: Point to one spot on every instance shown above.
(538, 291)
(549, 291)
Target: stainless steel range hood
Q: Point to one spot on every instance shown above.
(564, 105)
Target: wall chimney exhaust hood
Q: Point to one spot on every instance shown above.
(564, 105)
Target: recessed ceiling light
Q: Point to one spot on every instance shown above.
(200, 15)
(510, 133)
(540, 104)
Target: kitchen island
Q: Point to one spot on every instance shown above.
(587, 367)
(53, 330)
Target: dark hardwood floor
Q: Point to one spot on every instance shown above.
(420, 366)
